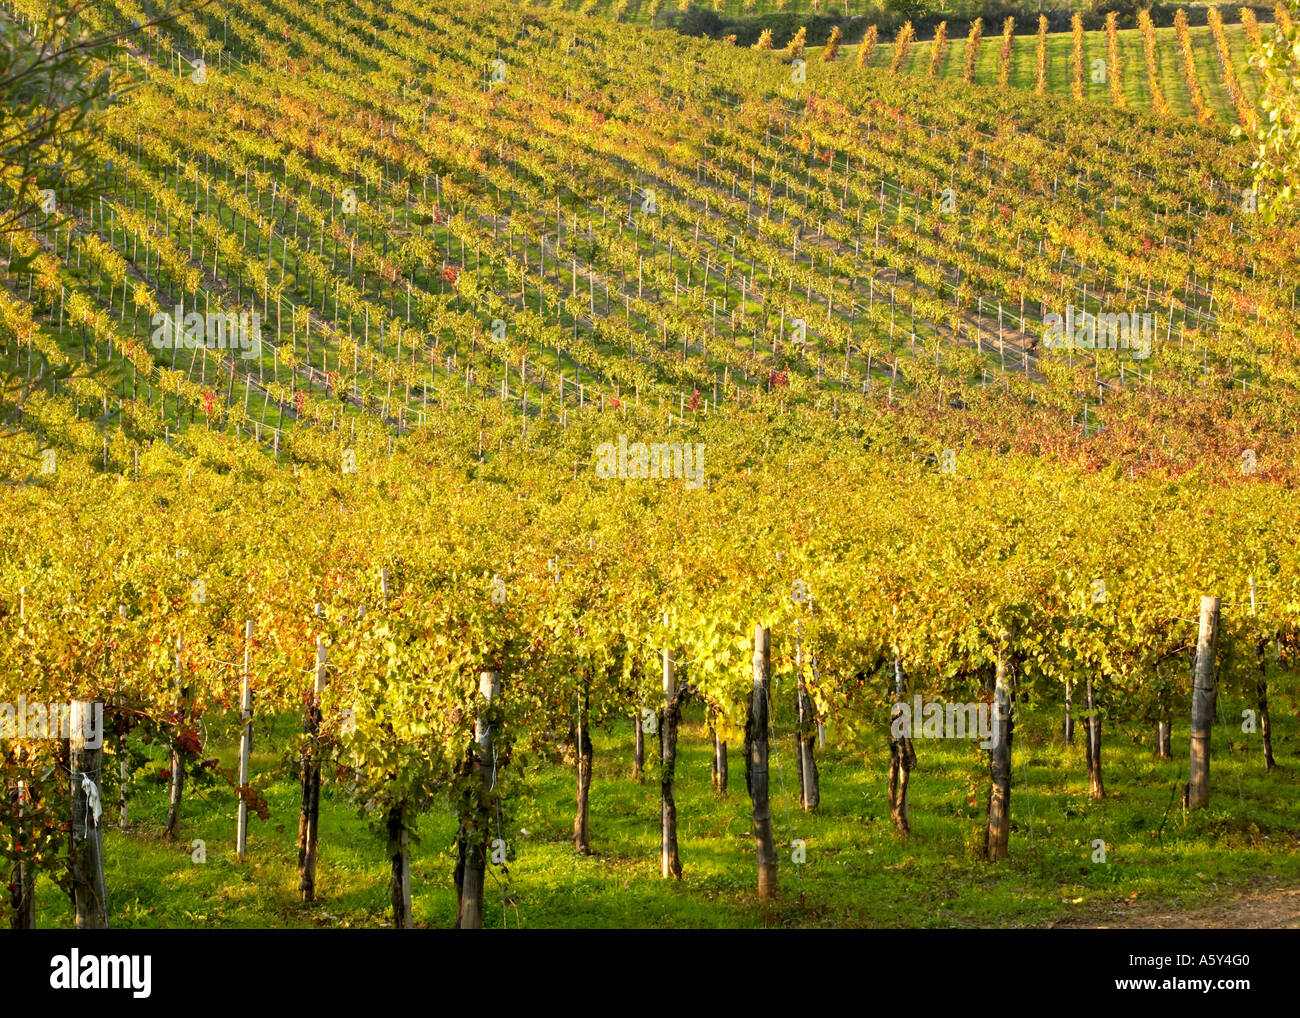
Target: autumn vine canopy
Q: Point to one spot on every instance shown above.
(447, 447)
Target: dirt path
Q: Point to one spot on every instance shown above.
(1265, 907)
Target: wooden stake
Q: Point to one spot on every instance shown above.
(1203, 682)
(756, 763)
(245, 745)
(475, 833)
(309, 818)
(667, 825)
(89, 892)
(997, 830)
(177, 760)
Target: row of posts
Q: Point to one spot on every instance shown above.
(90, 895)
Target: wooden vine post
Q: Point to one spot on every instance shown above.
(1092, 746)
(756, 748)
(121, 726)
(177, 760)
(997, 830)
(89, 892)
(902, 758)
(245, 744)
(809, 792)
(309, 818)
(584, 752)
(1203, 679)
(399, 882)
(1164, 727)
(670, 864)
(470, 916)
(22, 896)
(638, 754)
(1261, 692)
(718, 767)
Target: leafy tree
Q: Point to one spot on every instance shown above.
(1126, 9)
(912, 8)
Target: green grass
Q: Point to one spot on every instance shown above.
(859, 871)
